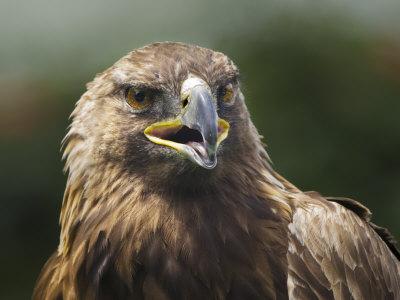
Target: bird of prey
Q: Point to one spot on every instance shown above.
(171, 195)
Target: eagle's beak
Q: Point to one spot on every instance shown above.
(198, 131)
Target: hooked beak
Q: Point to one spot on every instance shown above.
(197, 132)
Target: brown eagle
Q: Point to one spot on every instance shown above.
(170, 195)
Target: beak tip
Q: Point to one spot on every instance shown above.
(209, 163)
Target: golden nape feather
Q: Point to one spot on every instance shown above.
(170, 195)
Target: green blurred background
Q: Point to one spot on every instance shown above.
(321, 79)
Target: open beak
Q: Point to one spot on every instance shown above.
(197, 132)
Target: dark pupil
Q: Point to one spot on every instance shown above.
(222, 91)
(139, 96)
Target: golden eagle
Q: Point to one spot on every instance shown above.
(170, 195)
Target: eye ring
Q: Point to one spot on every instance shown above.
(137, 98)
(225, 93)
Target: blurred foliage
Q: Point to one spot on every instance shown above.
(322, 85)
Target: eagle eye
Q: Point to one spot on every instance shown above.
(225, 93)
(137, 98)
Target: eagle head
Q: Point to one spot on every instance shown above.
(163, 113)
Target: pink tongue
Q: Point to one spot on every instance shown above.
(199, 148)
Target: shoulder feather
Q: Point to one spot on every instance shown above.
(335, 253)
(365, 214)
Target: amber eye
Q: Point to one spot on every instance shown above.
(225, 93)
(138, 98)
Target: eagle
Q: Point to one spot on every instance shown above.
(171, 195)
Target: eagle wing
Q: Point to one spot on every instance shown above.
(336, 253)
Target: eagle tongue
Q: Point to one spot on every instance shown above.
(199, 148)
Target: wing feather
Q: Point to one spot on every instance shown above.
(336, 253)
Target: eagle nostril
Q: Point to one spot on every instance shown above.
(185, 102)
